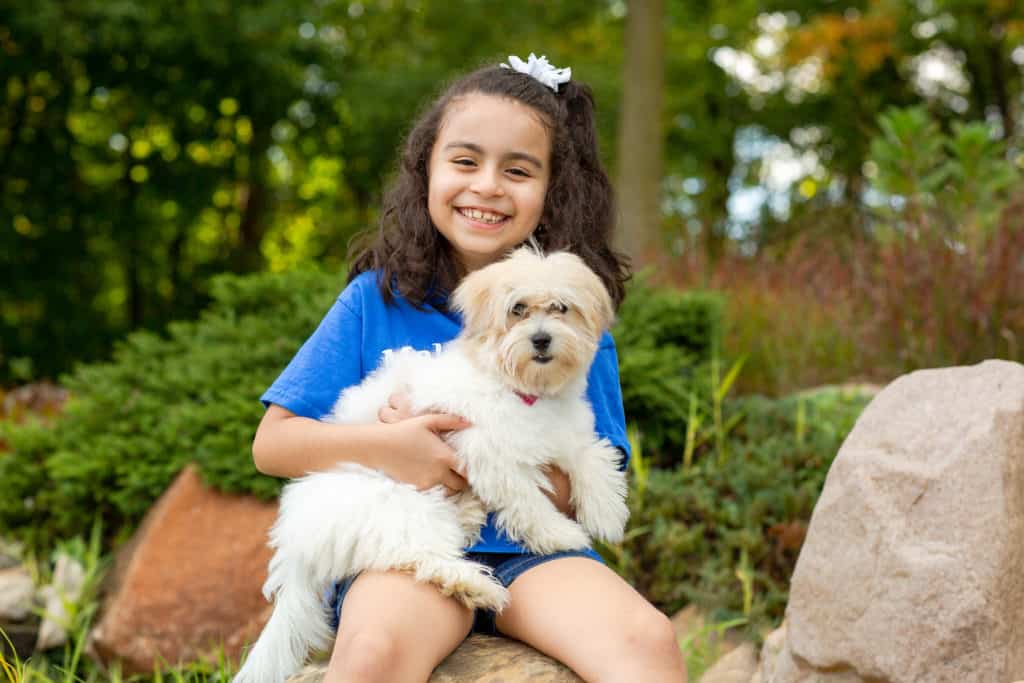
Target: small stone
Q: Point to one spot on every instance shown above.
(16, 593)
(66, 588)
(736, 666)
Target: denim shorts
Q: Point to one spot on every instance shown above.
(507, 567)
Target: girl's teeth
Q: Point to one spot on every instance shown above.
(481, 216)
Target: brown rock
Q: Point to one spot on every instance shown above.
(911, 570)
(482, 659)
(189, 581)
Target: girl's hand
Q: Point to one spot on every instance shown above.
(398, 408)
(423, 458)
(562, 489)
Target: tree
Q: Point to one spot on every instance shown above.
(145, 147)
(134, 158)
(641, 139)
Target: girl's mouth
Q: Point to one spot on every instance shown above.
(483, 218)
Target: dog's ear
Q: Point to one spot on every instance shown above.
(595, 303)
(471, 299)
(602, 308)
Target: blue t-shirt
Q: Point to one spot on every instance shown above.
(359, 327)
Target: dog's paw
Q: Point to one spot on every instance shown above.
(604, 519)
(479, 591)
(561, 534)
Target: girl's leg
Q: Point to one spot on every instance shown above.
(394, 629)
(583, 614)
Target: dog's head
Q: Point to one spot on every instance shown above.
(536, 320)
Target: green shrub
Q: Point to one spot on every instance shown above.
(133, 423)
(697, 531)
(665, 339)
(191, 394)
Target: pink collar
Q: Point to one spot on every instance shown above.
(528, 399)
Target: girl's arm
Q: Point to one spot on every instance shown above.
(412, 451)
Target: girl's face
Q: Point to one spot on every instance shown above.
(488, 175)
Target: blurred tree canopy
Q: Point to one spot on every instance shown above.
(146, 146)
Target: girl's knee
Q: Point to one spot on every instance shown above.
(364, 656)
(649, 634)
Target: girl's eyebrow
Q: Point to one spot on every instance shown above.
(511, 156)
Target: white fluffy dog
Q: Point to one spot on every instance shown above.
(517, 372)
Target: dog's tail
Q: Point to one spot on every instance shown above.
(284, 644)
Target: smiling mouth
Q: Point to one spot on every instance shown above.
(485, 217)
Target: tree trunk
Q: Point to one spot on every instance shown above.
(641, 139)
(135, 292)
(248, 256)
(1000, 92)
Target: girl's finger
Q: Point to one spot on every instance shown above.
(443, 422)
(399, 401)
(454, 482)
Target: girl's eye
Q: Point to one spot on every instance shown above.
(518, 310)
(519, 172)
(559, 307)
(464, 162)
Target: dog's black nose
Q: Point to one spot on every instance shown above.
(541, 341)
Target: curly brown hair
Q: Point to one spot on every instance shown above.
(413, 259)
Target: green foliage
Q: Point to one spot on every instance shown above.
(703, 648)
(665, 340)
(145, 147)
(908, 153)
(191, 394)
(163, 401)
(952, 185)
(725, 535)
(134, 153)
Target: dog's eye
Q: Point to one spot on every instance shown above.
(518, 310)
(559, 307)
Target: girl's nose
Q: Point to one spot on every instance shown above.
(487, 184)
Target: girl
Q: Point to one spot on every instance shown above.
(504, 154)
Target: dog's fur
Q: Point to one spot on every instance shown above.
(336, 524)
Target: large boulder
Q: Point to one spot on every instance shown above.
(483, 659)
(190, 580)
(912, 566)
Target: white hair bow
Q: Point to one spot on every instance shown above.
(541, 69)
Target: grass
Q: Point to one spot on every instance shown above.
(703, 647)
(68, 663)
(38, 670)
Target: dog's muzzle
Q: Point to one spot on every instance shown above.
(541, 343)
